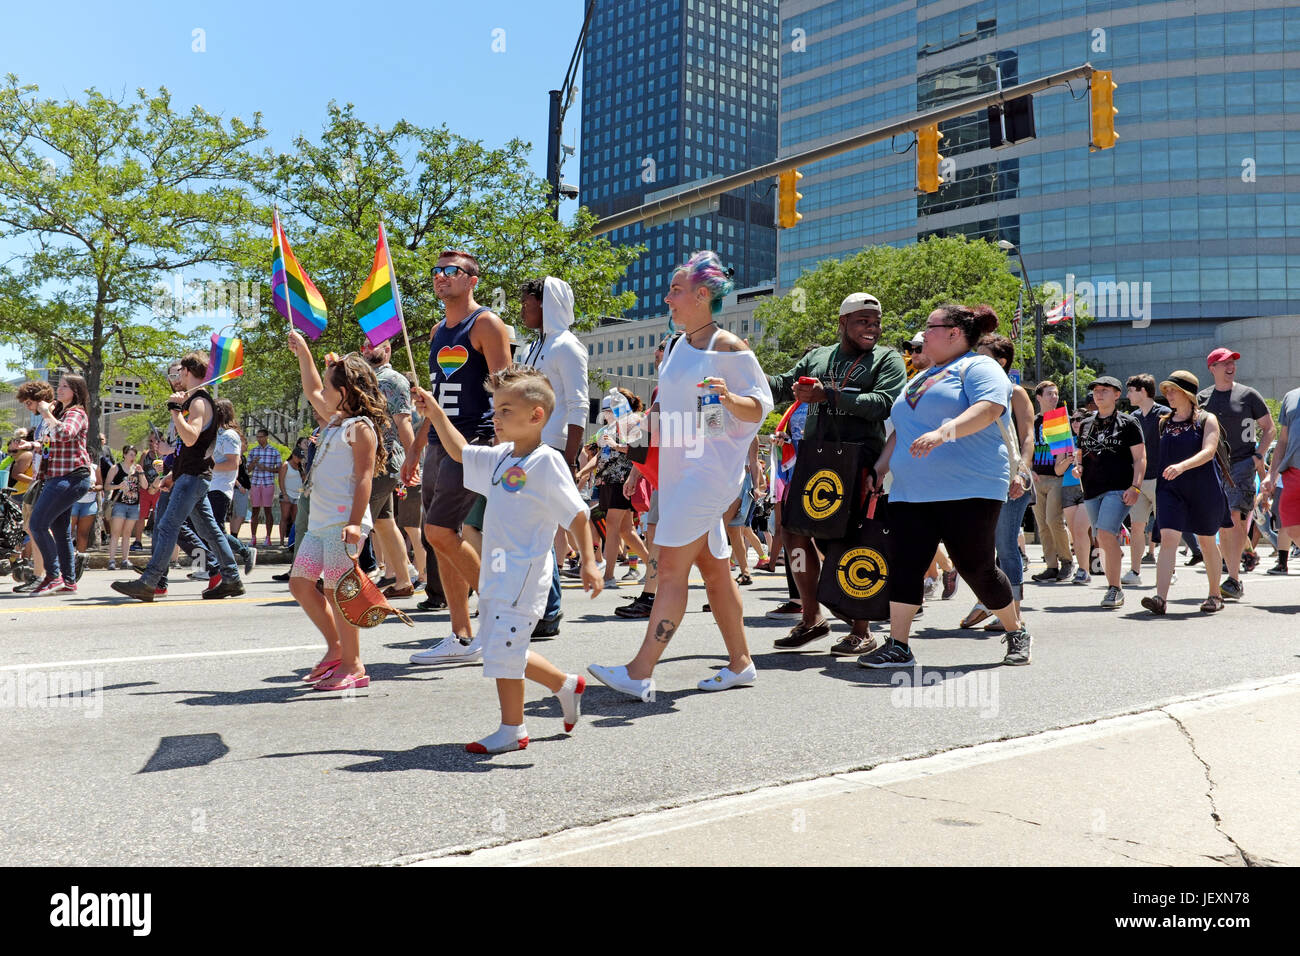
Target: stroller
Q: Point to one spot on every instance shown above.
(11, 538)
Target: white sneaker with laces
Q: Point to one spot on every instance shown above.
(1082, 577)
(450, 650)
(1132, 579)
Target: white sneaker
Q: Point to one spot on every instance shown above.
(727, 678)
(1132, 579)
(931, 585)
(617, 679)
(450, 650)
(1082, 577)
(1174, 579)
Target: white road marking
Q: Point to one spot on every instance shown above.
(656, 822)
(51, 665)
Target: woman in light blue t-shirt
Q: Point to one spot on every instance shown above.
(951, 475)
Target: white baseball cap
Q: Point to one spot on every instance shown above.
(860, 300)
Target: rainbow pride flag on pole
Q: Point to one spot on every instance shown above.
(378, 304)
(292, 292)
(1056, 430)
(226, 361)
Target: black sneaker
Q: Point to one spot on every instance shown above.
(1279, 568)
(79, 563)
(1194, 560)
(431, 604)
(890, 654)
(803, 634)
(1232, 589)
(227, 588)
(1066, 574)
(281, 577)
(135, 589)
(1148, 559)
(1249, 561)
(1019, 645)
(637, 609)
(1047, 576)
(250, 560)
(788, 609)
(548, 626)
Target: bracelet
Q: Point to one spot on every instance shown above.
(1135, 488)
(173, 406)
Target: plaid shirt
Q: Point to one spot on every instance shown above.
(67, 444)
(267, 455)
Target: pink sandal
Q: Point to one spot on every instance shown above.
(321, 671)
(349, 682)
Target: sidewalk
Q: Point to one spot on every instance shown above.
(1141, 789)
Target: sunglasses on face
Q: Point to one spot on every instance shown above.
(447, 271)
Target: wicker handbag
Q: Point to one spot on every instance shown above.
(360, 602)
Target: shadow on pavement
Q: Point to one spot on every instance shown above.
(444, 758)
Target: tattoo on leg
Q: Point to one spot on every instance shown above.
(654, 569)
(664, 631)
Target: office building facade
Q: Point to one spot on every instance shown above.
(676, 91)
(1191, 224)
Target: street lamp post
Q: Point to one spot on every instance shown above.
(1034, 304)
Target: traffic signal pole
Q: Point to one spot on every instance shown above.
(694, 194)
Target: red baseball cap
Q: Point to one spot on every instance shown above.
(1221, 355)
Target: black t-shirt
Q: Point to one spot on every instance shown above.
(196, 459)
(1106, 444)
(1150, 423)
(106, 464)
(1237, 410)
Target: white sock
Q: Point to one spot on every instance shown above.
(570, 699)
(505, 739)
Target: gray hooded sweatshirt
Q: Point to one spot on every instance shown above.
(558, 355)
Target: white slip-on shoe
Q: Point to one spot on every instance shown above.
(616, 678)
(450, 650)
(727, 678)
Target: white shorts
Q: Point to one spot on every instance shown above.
(322, 555)
(505, 632)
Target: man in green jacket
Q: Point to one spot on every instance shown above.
(855, 386)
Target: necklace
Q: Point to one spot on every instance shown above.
(514, 478)
(690, 332)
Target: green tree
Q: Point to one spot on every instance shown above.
(910, 281)
(435, 190)
(113, 196)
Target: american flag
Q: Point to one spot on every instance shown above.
(1020, 313)
(1060, 312)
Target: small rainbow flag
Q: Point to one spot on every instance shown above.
(378, 309)
(226, 361)
(787, 449)
(1056, 430)
(292, 292)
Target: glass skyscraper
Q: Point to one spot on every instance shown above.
(675, 91)
(1198, 204)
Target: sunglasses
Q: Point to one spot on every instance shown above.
(448, 271)
(912, 349)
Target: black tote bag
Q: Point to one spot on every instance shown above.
(854, 582)
(824, 486)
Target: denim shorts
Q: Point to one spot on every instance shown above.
(84, 509)
(1241, 497)
(1107, 511)
(129, 512)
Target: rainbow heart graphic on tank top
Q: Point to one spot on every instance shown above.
(452, 359)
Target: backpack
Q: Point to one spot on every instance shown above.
(1220, 454)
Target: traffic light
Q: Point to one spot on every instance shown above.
(787, 199)
(1103, 111)
(928, 159)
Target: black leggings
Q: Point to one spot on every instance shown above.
(966, 527)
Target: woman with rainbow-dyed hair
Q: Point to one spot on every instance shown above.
(712, 398)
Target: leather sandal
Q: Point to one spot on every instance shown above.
(1212, 604)
(1155, 604)
(978, 613)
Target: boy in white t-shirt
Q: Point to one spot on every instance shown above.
(529, 491)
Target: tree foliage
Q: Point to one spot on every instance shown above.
(910, 281)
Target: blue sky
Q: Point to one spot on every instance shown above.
(430, 62)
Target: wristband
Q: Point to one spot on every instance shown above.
(1135, 488)
(173, 406)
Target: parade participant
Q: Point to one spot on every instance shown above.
(195, 422)
(546, 307)
(347, 457)
(1076, 515)
(529, 490)
(1148, 412)
(264, 463)
(65, 478)
(612, 469)
(706, 362)
(124, 484)
(1113, 458)
(469, 343)
(289, 478)
(221, 490)
(1247, 427)
(1020, 490)
(1283, 477)
(1189, 493)
(949, 461)
(855, 383)
(399, 439)
(1049, 516)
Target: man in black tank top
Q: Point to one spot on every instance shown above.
(195, 424)
(472, 343)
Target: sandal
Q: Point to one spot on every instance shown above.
(348, 682)
(1212, 604)
(321, 671)
(744, 579)
(978, 613)
(994, 625)
(1155, 604)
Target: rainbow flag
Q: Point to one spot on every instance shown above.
(378, 309)
(292, 292)
(787, 449)
(1056, 430)
(226, 361)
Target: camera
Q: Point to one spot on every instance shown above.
(568, 190)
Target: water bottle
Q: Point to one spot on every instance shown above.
(627, 431)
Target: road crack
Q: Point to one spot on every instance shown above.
(959, 803)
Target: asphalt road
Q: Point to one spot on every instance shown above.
(178, 732)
